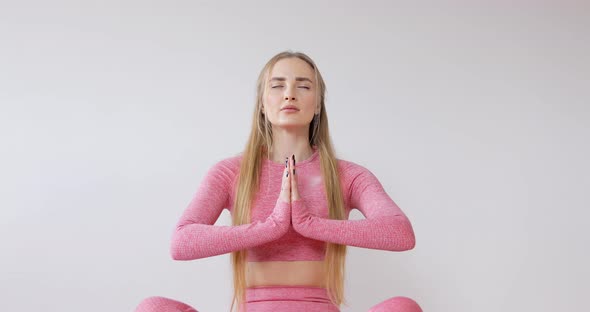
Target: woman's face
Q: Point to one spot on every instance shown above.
(291, 82)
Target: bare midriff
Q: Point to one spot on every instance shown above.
(281, 273)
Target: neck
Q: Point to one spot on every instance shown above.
(287, 143)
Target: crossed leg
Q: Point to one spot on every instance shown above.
(163, 304)
(396, 304)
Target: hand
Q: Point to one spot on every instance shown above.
(282, 211)
(289, 190)
(285, 194)
(293, 176)
(299, 211)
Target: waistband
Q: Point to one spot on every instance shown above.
(291, 293)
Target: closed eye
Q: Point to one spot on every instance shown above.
(282, 86)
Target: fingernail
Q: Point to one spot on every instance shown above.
(286, 161)
(287, 173)
(293, 159)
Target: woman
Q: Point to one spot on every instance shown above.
(290, 198)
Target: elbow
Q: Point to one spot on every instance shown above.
(175, 251)
(411, 243)
(411, 238)
(182, 250)
(405, 244)
(181, 254)
(404, 237)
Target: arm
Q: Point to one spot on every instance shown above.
(196, 237)
(385, 226)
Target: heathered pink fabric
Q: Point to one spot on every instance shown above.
(271, 236)
(283, 299)
(288, 298)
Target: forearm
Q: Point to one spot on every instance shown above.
(194, 240)
(388, 232)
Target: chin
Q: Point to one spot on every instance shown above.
(293, 123)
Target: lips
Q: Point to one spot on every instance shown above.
(291, 107)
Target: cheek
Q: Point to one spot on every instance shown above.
(273, 98)
(309, 101)
(309, 98)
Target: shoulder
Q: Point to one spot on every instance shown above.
(356, 177)
(350, 170)
(225, 169)
(230, 162)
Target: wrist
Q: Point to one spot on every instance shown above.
(281, 215)
(299, 212)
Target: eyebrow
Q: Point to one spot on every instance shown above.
(296, 79)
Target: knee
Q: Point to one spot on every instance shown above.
(162, 304)
(397, 304)
(150, 304)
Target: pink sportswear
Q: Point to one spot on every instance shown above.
(271, 235)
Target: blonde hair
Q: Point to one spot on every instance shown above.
(258, 146)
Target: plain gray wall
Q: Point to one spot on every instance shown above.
(475, 118)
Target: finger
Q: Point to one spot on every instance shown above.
(288, 179)
(294, 188)
(285, 183)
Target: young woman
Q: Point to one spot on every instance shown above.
(290, 198)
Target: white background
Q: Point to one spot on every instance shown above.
(475, 117)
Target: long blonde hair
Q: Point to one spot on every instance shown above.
(258, 146)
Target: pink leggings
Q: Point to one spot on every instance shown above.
(281, 298)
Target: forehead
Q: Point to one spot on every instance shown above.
(290, 68)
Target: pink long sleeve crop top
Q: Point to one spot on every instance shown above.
(280, 231)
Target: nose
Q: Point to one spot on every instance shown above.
(289, 94)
